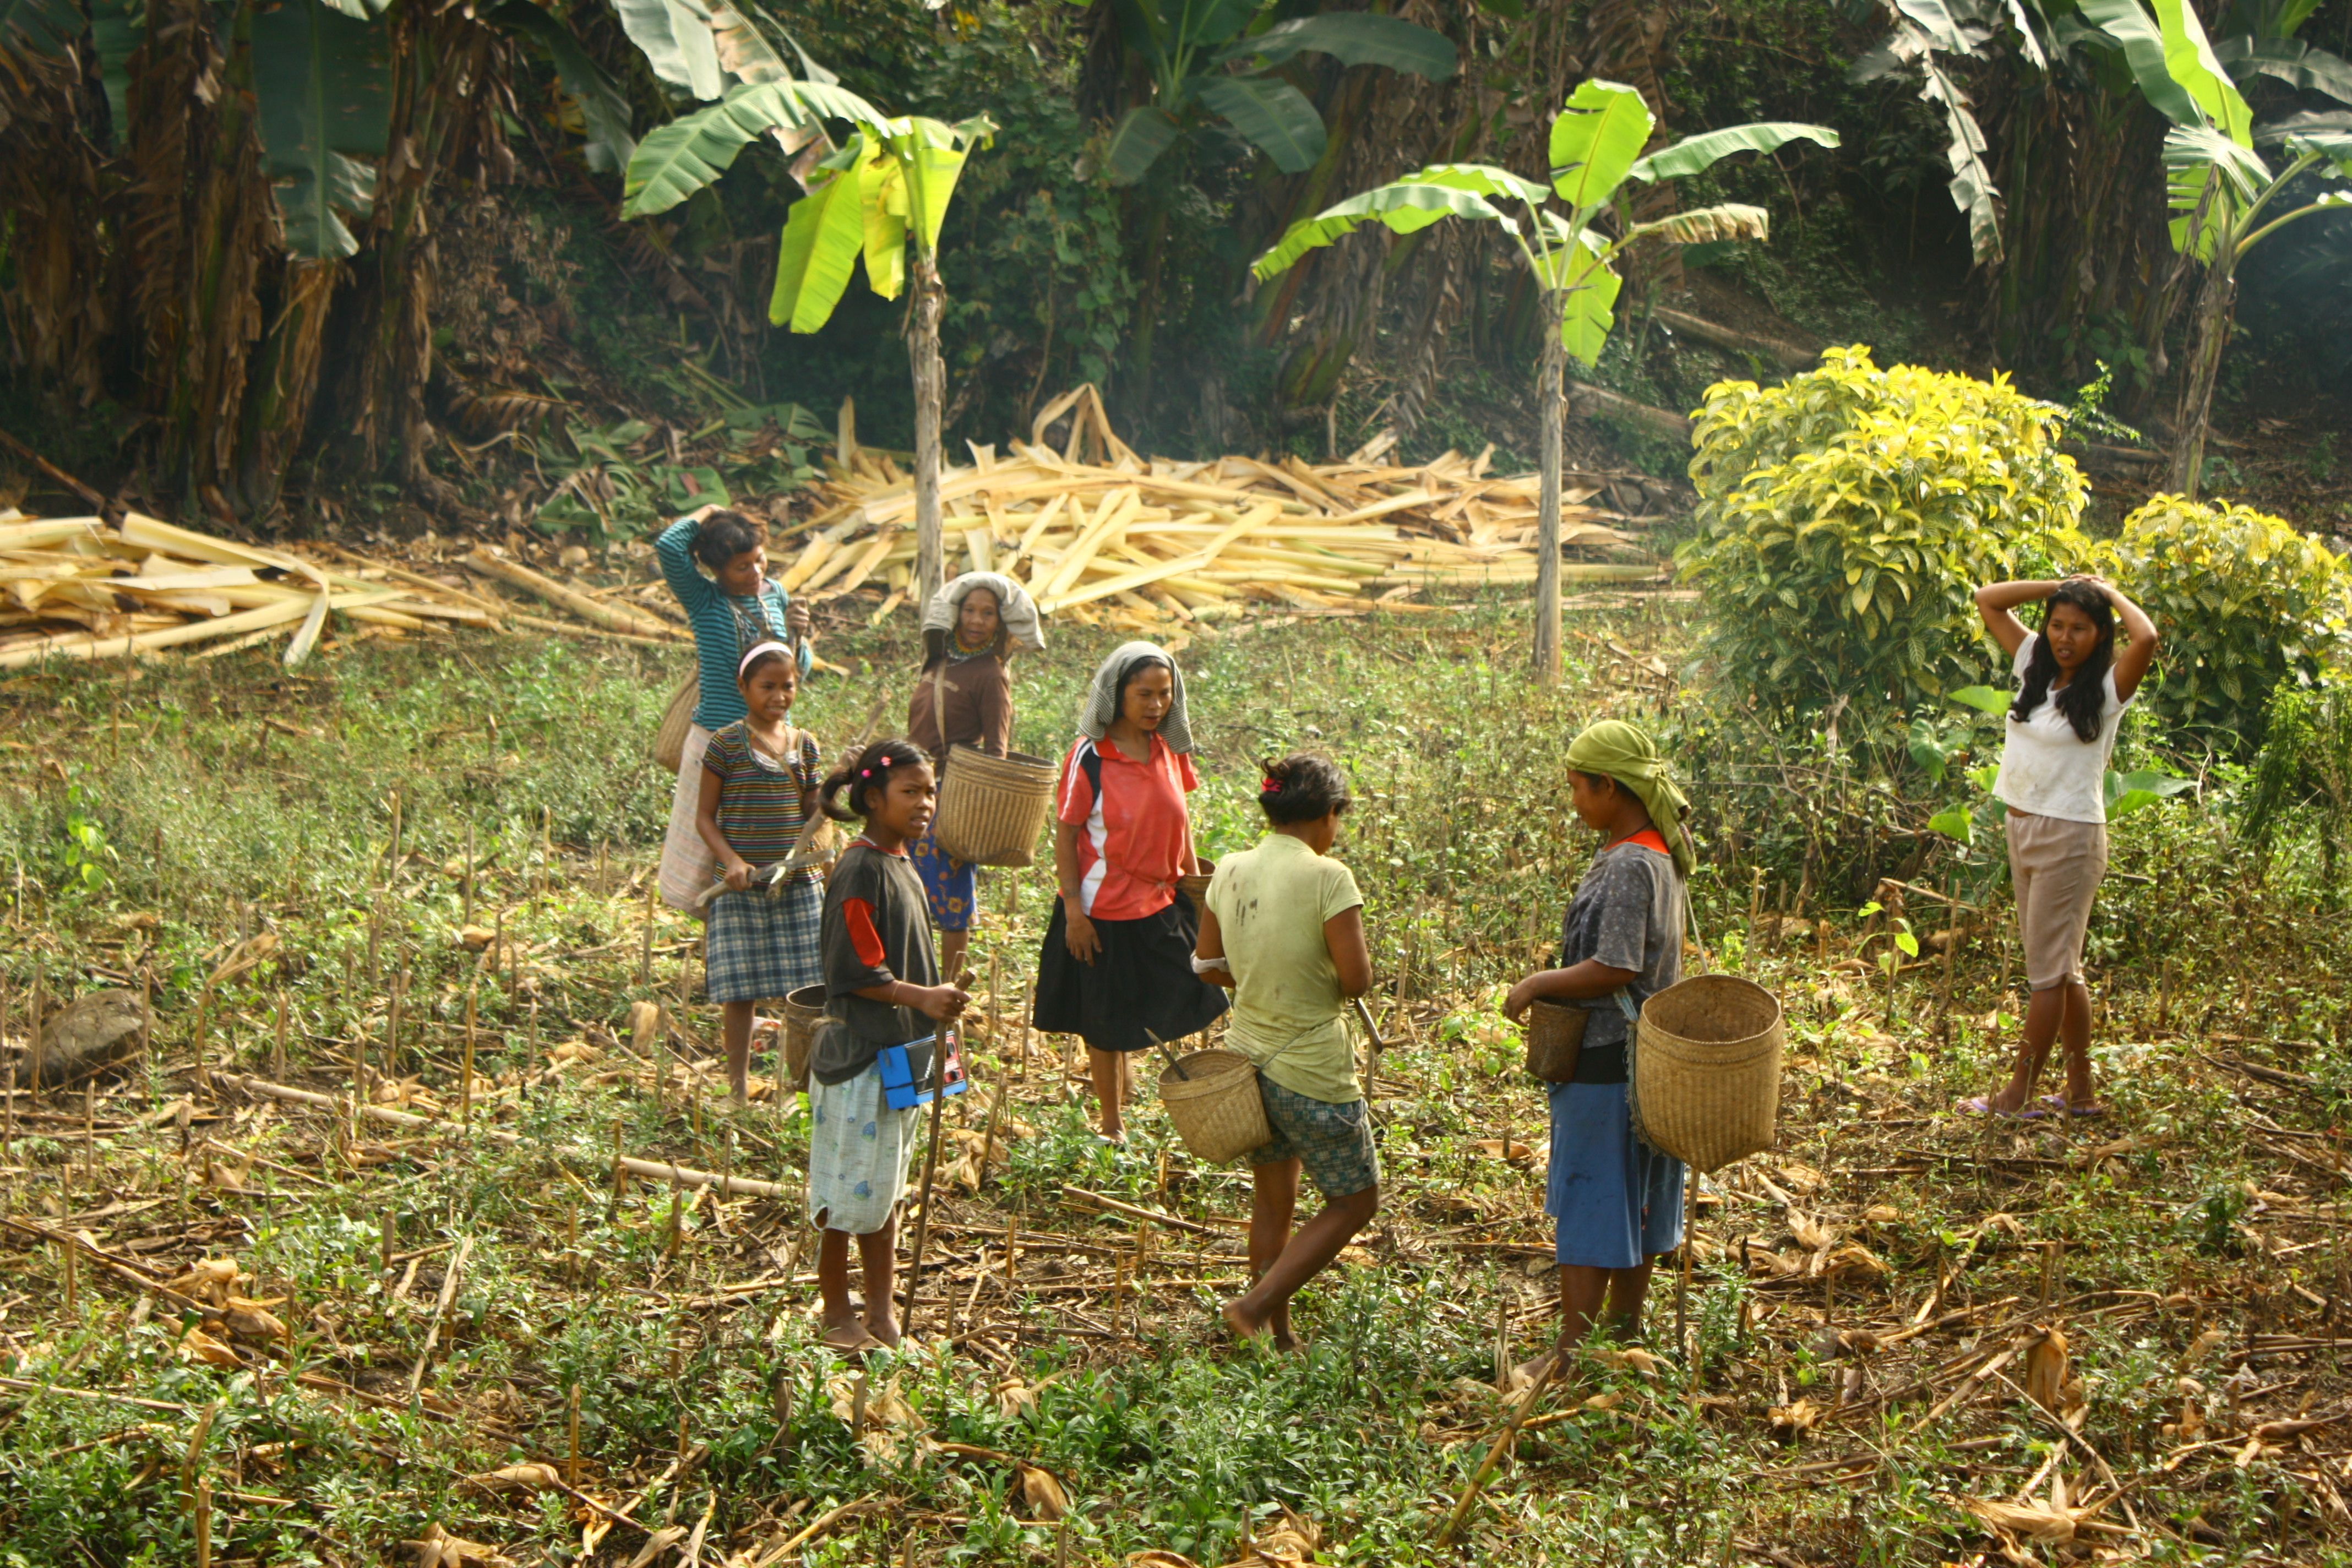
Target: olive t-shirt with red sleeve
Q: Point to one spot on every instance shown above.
(874, 930)
(1133, 837)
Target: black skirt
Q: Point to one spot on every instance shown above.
(1141, 978)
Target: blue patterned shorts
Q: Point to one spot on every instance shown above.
(1333, 1141)
(949, 885)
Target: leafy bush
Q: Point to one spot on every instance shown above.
(1844, 516)
(2244, 600)
(2305, 769)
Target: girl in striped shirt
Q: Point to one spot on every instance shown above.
(759, 786)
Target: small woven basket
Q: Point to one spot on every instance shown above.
(1706, 1069)
(1555, 1035)
(1216, 1106)
(669, 740)
(991, 808)
(1196, 887)
(803, 1010)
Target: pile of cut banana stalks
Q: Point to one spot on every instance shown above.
(1101, 536)
(74, 587)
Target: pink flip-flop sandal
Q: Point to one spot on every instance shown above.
(1981, 1105)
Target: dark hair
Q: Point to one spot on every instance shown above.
(768, 655)
(871, 769)
(1301, 788)
(724, 535)
(2086, 696)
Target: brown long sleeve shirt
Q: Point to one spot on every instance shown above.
(979, 706)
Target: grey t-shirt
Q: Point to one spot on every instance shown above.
(1628, 913)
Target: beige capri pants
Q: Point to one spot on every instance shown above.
(2054, 865)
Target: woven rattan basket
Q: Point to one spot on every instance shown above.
(1706, 1069)
(1555, 1034)
(669, 741)
(991, 807)
(1196, 886)
(1215, 1105)
(803, 1010)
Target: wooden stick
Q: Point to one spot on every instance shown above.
(1517, 1416)
(930, 1165)
(593, 611)
(440, 1311)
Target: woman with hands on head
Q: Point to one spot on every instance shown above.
(2074, 684)
(732, 611)
(1116, 968)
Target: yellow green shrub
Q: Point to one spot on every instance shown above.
(2241, 600)
(1845, 515)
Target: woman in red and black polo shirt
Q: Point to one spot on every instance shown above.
(1116, 965)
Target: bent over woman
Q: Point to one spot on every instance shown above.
(1116, 968)
(964, 697)
(732, 611)
(2072, 687)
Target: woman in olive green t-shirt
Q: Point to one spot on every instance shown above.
(1285, 929)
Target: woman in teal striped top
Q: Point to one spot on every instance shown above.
(731, 610)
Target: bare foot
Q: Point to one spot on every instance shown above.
(1241, 1325)
(885, 1328)
(1290, 1343)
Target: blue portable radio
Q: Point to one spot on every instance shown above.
(906, 1070)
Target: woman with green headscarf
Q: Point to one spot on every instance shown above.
(1617, 1202)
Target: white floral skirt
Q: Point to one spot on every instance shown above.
(858, 1151)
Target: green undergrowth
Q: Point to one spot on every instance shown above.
(151, 821)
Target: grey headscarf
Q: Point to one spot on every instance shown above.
(1100, 708)
(1015, 611)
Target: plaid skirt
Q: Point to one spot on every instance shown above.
(758, 947)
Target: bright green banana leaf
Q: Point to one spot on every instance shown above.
(1596, 140)
(882, 209)
(823, 236)
(1587, 286)
(1406, 206)
(2189, 56)
(689, 152)
(1694, 154)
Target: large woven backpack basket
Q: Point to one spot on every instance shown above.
(1706, 1069)
(991, 808)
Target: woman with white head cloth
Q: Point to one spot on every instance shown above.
(1116, 965)
(971, 629)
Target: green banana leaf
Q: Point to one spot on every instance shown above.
(1595, 141)
(681, 158)
(1355, 38)
(1272, 116)
(321, 83)
(824, 233)
(1406, 206)
(674, 37)
(1694, 154)
(1136, 144)
(603, 107)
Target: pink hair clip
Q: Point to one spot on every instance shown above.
(866, 772)
(886, 762)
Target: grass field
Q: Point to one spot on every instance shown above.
(1845, 1382)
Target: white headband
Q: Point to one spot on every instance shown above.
(763, 647)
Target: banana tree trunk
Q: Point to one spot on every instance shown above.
(2216, 309)
(930, 377)
(1550, 409)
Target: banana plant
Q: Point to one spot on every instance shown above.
(1191, 47)
(888, 187)
(2225, 197)
(1570, 249)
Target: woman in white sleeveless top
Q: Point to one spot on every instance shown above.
(2074, 684)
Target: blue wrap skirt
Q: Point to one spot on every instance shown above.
(1617, 1201)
